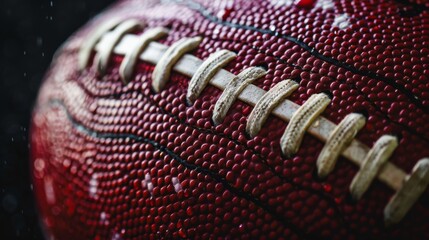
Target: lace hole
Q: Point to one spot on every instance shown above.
(329, 94)
(263, 66)
(247, 135)
(316, 176)
(363, 112)
(213, 123)
(297, 79)
(284, 156)
(169, 26)
(398, 135)
(188, 103)
(350, 200)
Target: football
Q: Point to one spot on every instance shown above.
(265, 119)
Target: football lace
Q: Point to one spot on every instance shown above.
(115, 37)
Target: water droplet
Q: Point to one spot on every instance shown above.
(104, 218)
(39, 164)
(241, 228)
(116, 236)
(327, 188)
(305, 3)
(226, 11)
(176, 184)
(147, 183)
(341, 21)
(182, 233)
(326, 4)
(189, 211)
(39, 41)
(49, 190)
(9, 203)
(93, 185)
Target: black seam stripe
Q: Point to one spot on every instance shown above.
(206, 13)
(263, 159)
(83, 129)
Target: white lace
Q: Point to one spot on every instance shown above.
(103, 57)
(339, 139)
(89, 44)
(306, 118)
(377, 156)
(301, 120)
(267, 103)
(128, 64)
(161, 73)
(206, 71)
(414, 186)
(232, 90)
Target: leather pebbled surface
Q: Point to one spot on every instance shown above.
(121, 162)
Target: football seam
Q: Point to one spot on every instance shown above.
(79, 127)
(208, 15)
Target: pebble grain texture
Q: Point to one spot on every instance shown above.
(116, 161)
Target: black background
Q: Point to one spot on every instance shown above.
(31, 31)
